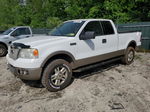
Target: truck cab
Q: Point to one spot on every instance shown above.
(13, 34)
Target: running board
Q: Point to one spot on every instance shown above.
(81, 69)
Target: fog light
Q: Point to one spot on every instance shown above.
(22, 72)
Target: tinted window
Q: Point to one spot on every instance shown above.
(107, 27)
(93, 26)
(21, 31)
(27, 31)
(67, 29)
(24, 31)
(15, 33)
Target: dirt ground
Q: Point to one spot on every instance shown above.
(110, 88)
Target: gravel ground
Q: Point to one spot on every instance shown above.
(110, 88)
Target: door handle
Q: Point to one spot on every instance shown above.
(104, 41)
(73, 44)
(27, 36)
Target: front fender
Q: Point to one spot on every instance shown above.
(58, 53)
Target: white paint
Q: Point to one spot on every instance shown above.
(83, 48)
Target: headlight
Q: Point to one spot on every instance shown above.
(28, 53)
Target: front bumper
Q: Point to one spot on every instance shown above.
(27, 74)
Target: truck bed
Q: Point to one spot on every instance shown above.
(125, 38)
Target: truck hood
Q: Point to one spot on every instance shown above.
(3, 36)
(40, 40)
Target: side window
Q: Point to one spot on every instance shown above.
(93, 26)
(107, 27)
(16, 33)
(21, 31)
(27, 31)
(24, 31)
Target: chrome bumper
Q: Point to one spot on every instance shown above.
(27, 74)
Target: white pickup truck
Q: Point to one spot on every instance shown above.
(72, 46)
(13, 34)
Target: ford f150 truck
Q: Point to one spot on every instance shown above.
(13, 34)
(73, 45)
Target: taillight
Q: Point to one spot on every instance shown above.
(139, 35)
(141, 38)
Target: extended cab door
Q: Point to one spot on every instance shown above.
(110, 36)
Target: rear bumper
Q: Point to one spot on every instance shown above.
(27, 74)
(138, 48)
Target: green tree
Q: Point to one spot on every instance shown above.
(49, 13)
(53, 22)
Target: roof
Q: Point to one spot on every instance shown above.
(90, 20)
(21, 27)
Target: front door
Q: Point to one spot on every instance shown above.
(21, 33)
(90, 49)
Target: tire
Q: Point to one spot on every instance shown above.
(3, 50)
(57, 75)
(128, 58)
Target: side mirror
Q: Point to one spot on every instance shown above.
(87, 35)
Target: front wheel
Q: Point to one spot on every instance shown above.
(57, 75)
(3, 50)
(129, 56)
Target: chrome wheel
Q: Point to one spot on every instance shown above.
(59, 75)
(130, 56)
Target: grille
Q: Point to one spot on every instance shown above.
(13, 52)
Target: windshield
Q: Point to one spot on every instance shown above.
(8, 31)
(69, 29)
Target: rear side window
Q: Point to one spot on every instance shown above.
(107, 27)
(24, 31)
(93, 26)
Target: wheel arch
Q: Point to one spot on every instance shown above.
(2, 43)
(59, 55)
(132, 44)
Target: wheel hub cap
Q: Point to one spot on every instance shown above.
(130, 56)
(59, 76)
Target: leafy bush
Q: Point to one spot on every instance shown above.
(50, 13)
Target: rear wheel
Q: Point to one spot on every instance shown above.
(3, 50)
(129, 56)
(57, 75)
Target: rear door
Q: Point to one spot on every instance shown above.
(111, 41)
